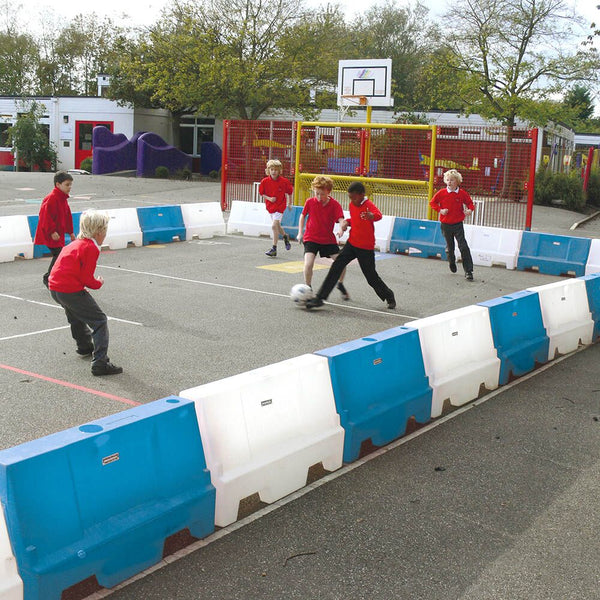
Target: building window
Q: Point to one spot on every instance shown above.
(193, 131)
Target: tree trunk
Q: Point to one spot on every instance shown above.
(508, 167)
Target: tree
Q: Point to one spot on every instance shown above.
(579, 100)
(514, 55)
(403, 34)
(29, 139)
(231, 58)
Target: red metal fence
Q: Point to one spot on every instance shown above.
(498, 174)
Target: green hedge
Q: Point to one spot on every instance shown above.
(593, 188)
(559, 189)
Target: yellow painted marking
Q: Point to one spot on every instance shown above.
(155, 246)
(295, 266)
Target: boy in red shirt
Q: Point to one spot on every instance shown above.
(73, 272)
(323, 213)
(450, 203)
(360, 245)
(55, 219)
(275, 190)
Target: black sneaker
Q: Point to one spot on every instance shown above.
(343, 291)
(286, 241)
(391, 302)
(469, 275)
(313, 302)
(106, 368)
(452, 266)
(85, 350)
(271, 252)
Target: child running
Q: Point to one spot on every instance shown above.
(323, 213)
(55, 219)
(360, 245)
(276, 191)
(73, 272)
(450, 202)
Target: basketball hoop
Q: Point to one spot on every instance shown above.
(348, 101)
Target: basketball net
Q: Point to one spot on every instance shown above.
(353, 100)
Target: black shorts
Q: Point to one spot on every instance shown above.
(325, 250)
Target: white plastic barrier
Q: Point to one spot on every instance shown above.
(566, 315)
(11, 586)
(383, 232)
(459, 355)
(123, 228)
(249, 218)
(203, 220)
(593, 262)
(493, 245)
(262, 430)
(15, 238)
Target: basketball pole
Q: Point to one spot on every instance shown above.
(368, 140)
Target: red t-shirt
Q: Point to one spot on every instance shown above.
(55, 217)
(321, 220)
(362, 231)
(74, 268)
(453, 201)
(276, 188)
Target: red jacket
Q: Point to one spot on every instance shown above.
(362, 231)
(453, 201)
(275, 188)
(74, 269)
(55, 217)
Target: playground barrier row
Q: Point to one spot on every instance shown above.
(523, 250)
(127, 226)
(101, 499)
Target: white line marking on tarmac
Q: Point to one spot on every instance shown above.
(104, 593)
(20, 335)
(243, 289)
(60, 308)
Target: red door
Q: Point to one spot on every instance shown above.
(83, 138)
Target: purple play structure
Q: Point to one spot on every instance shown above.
(143, 152)
(153, 151)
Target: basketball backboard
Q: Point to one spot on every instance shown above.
(365, 82)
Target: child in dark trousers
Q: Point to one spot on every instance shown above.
(73, 272)
(55, 219)
(360, 245)
(450, 202)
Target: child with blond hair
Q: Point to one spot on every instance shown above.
(321, 213)
(276, 191)
(71, 275)
(450, 202)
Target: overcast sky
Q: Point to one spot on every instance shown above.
(146, 12)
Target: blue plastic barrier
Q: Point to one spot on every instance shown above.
(290, 220)
(592, 286)
(38, 249)
(161, 224)
(553, 254)
(425, 236)
(518, 331)
(379, 382)
(100, 499)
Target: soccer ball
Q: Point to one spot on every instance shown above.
(300, 293)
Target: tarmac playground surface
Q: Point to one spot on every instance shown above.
(495, 501)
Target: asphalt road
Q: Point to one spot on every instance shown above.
(508, 514)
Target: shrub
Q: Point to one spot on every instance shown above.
(561, 189)
(161, 172)
(593, 188)
(214, 174)
(185, 174)
(86, 164)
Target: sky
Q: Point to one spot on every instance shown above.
(146, 12)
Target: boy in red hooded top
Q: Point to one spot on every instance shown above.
(55, 219)
(360, 245)
(454, 204)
